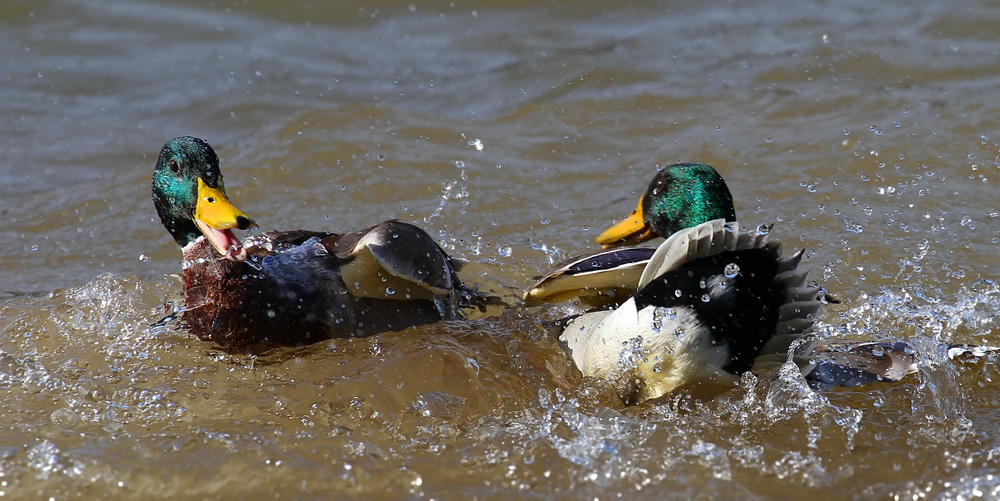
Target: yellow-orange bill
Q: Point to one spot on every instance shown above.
(216, 216)
(631, 230)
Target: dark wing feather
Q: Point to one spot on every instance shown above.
(405, 251)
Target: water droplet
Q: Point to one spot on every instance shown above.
(878, 351)
(505, 251)
(64, 418)
(678, 293)
(390, 291)
(732, 269)
(657, 367)
(271, 314)
(144, 258)
(705, 298)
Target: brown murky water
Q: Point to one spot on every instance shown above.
(864, 131)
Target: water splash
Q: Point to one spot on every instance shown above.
(455, 189)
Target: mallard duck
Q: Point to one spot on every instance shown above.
(292, 287)
(709, 303)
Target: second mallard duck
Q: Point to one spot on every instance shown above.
(708, 304)
(292, 287)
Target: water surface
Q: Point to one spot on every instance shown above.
(513, 132)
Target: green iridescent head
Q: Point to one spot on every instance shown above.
(191, 200)
(680, 196)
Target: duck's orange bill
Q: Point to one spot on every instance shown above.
(216, 216)
(631, 230)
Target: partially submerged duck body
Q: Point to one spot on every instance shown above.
(292, 287)
(706, 305)
(710, 301)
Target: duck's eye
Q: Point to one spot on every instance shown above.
(210, 200)
(174, 166)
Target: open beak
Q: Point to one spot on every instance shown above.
(216, 216)
(631, 230)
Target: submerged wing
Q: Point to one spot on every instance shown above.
(827, 364)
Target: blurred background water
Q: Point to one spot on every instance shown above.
(514, 132)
